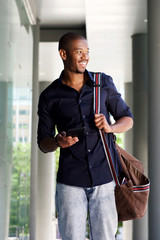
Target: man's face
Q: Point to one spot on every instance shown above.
(77, 56)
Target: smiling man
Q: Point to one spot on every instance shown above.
(84, 183)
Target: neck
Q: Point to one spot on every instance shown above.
(74, 80)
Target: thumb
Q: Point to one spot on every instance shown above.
(63, 134)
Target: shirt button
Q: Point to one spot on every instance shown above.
(89, 150)
(80, 101)
(86, 133)
(90, 166)
(84, 116)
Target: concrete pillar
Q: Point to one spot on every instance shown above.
(129, 102)
(128, 225)
(140, 129)
(46, 191)
(154, 116)
(9, 152)
(34, 148)
(46, 196)
(5, 120)
(5, 156)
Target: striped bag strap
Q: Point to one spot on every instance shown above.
(96, 107)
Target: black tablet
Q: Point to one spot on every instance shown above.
(76, 132)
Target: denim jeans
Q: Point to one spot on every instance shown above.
(75, 203)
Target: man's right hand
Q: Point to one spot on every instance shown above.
(64, 141)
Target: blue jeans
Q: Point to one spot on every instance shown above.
(75, 203)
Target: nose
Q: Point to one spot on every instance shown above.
(85, 55)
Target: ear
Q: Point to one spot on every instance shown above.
(63, 54)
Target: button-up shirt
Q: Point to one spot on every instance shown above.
(83, 164)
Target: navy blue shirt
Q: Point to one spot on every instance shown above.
(83, 164)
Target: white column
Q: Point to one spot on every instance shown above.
(34, 148)
(5, 158)
(46, 191)
(46, 196)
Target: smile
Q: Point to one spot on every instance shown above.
(84, 63)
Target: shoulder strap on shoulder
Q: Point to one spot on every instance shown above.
(96, 97)
(96, 104)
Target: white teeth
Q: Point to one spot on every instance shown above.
(83, 63)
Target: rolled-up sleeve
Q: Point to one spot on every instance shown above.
(46, 125)
(116, 105)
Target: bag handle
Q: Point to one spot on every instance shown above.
(96, 107)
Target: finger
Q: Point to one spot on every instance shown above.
(68, 141)
(100, 126)
(96, 120)
(63, 133)
(100, 121)
(72, 140)
(99, 117)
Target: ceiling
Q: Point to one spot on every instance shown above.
(110, 25)
(53, 13)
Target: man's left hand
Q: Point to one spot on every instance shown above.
(101, 123)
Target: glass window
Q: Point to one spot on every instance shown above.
(23, 125)
(23, 112)
(16, 51)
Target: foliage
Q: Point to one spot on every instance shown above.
(20, 189)
(57, 152)
(120, 139)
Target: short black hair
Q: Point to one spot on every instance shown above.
(67, 38)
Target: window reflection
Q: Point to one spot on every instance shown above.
(16, 47)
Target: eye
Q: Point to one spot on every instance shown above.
(79, 51)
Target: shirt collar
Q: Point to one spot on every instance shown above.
(90, 75)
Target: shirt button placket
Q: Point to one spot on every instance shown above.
(87, 137)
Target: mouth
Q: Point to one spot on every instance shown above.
(83, 63)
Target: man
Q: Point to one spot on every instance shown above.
(84, 182)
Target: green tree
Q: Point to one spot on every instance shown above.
(20, 189)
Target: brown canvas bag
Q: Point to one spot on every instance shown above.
(132, 188)
(131, 196)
